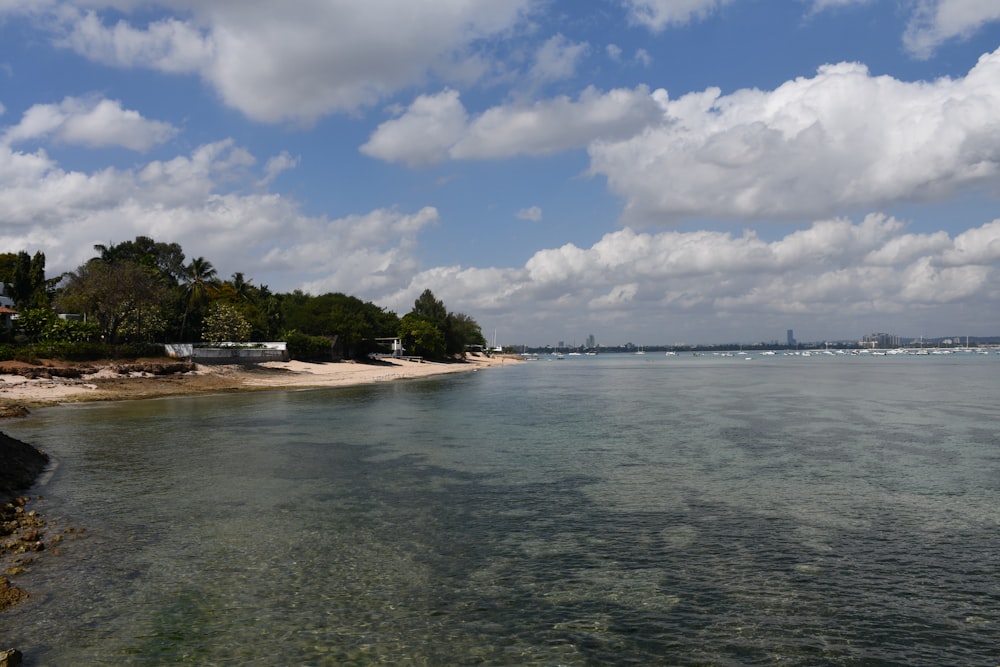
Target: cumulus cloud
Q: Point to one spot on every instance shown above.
(197, 200)
(937, 21)
(659, 14)
(438, 127)
(300, 61)
(359, 254)
(835, 274)
(424, 134)
(168, 45)
(839, 141)
(89, 122)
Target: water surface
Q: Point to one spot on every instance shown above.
(609, 510)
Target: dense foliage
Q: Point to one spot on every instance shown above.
(140, 292)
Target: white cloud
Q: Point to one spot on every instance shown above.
(277, 165)
(557, 59)
(436, 127)
(300, 61)
(679, 284)
(361, 254)
(424, 134)
(658, 14)
(188, 200)
(937, 21)
(614, 52)
(839, 141)
(532, 213)
(820, 5)
(169, 45)
(89, 122)
(833, 274)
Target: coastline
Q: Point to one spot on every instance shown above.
(24, 387)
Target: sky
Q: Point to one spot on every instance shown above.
(645, 171)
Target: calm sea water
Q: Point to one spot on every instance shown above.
(610, 510)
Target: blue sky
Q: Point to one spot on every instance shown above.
(653, 171)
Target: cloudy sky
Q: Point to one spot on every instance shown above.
(653, 171)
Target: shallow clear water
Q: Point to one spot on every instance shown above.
(609, 510)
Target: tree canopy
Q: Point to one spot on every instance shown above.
(145, 291)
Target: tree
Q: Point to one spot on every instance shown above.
(462, 331)
(420, 336)
(28, 286)
(356, 323)
(224, 323)
(200, 282)
(430, 308)
(166, 258)
(114, 295)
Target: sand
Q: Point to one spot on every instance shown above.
(101, 382)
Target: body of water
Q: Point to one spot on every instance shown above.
(595, 510)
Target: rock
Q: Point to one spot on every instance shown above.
(10, 658)
(13, 411)
(10, 595)
(20, 466)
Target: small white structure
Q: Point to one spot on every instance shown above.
(395, 344)
(238, 352)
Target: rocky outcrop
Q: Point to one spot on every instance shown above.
(10, 658)
(20, 530)
(20, 466)
(48, 371)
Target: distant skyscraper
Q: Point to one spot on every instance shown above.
(590, 340)
(791, 337)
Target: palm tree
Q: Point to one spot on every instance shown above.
(200, 282)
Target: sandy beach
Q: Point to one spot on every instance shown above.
(53, 383)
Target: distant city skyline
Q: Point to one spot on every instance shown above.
(883, 339)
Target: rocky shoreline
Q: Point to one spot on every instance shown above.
(21, 529)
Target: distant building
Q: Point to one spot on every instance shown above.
(5, 301)
(791, 338)
(879, 341)
(591, 342)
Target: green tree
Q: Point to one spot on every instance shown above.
(421, 337)
(354, 322)
(166, 258)
(461, 332)
(112, 295)
(430, 308)
(200, 282)
(33, 323)
(28, 286)
(225, 324)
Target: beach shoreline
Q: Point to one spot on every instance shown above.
(27, 386)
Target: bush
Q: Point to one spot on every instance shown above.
(308, 348)
(81, 351)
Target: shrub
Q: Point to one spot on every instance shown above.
(308, 348)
